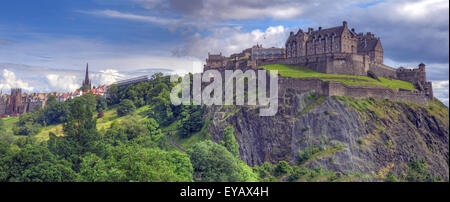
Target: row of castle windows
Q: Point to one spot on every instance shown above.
(293, 51)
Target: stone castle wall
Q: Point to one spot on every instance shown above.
(411, 75)
(330, 88)
(383, 70)
(331, 63)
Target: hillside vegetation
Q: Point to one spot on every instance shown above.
(138, 135)
(303, 72)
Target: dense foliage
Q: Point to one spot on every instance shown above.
(135, 144)
(229, 141)
(125, 107)
(214, 163)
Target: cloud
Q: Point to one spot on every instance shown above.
(130, 16)
(440, 90)
(65, 83)
(9, 81)
(230, 9)
(230, 40)
(403, 25)
(108, 76)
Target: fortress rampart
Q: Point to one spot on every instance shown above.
(330, 88)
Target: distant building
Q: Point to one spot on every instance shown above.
(216, 61)
(132, 81)
(260, 53)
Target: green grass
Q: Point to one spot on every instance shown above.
(194, 138)
(102, 123)
(172, 127)
(9, 124)
(43, 135)
(303, 72)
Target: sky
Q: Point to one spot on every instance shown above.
(45, 45)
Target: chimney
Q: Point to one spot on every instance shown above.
(292, 33)
(344, 23)
(320, 28)
(353, 29)
(310, 30)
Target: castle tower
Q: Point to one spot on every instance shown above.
(87, 82)
(422, 66)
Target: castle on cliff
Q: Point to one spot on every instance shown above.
(336, 50)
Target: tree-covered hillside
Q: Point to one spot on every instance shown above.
(137, 135)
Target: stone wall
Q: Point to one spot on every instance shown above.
(330, 88)
(382, 70)
(411, 75)
(332, 63)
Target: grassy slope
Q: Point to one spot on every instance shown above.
(302, 72)
(102, 123)
(111, 115)
(10, 122)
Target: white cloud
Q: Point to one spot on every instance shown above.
(441, 91)
(130, 16)
(107, 77)
(66, 83)
(200, 10)
(9, 81)
(232, 40)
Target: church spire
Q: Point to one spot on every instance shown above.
(87, 82)
(86, 78)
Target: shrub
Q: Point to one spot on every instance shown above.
(229, 141)
(305, 155)
(125, 107)
(214, 163)
(282, 168)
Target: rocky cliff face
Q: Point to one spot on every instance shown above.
(342, 134)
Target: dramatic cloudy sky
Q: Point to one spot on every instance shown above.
(45, 45)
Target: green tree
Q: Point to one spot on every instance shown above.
(214, 163)
(56, 112)
(34, 163)
(81, 134)
(162, 110)
(101, 103)
(126, 107)
(282, 168)
(191, 120)
(229, 141)
(114, 96)
(136, 164)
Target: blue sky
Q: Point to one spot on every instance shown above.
(45, 45)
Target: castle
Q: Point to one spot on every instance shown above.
(336, 50)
